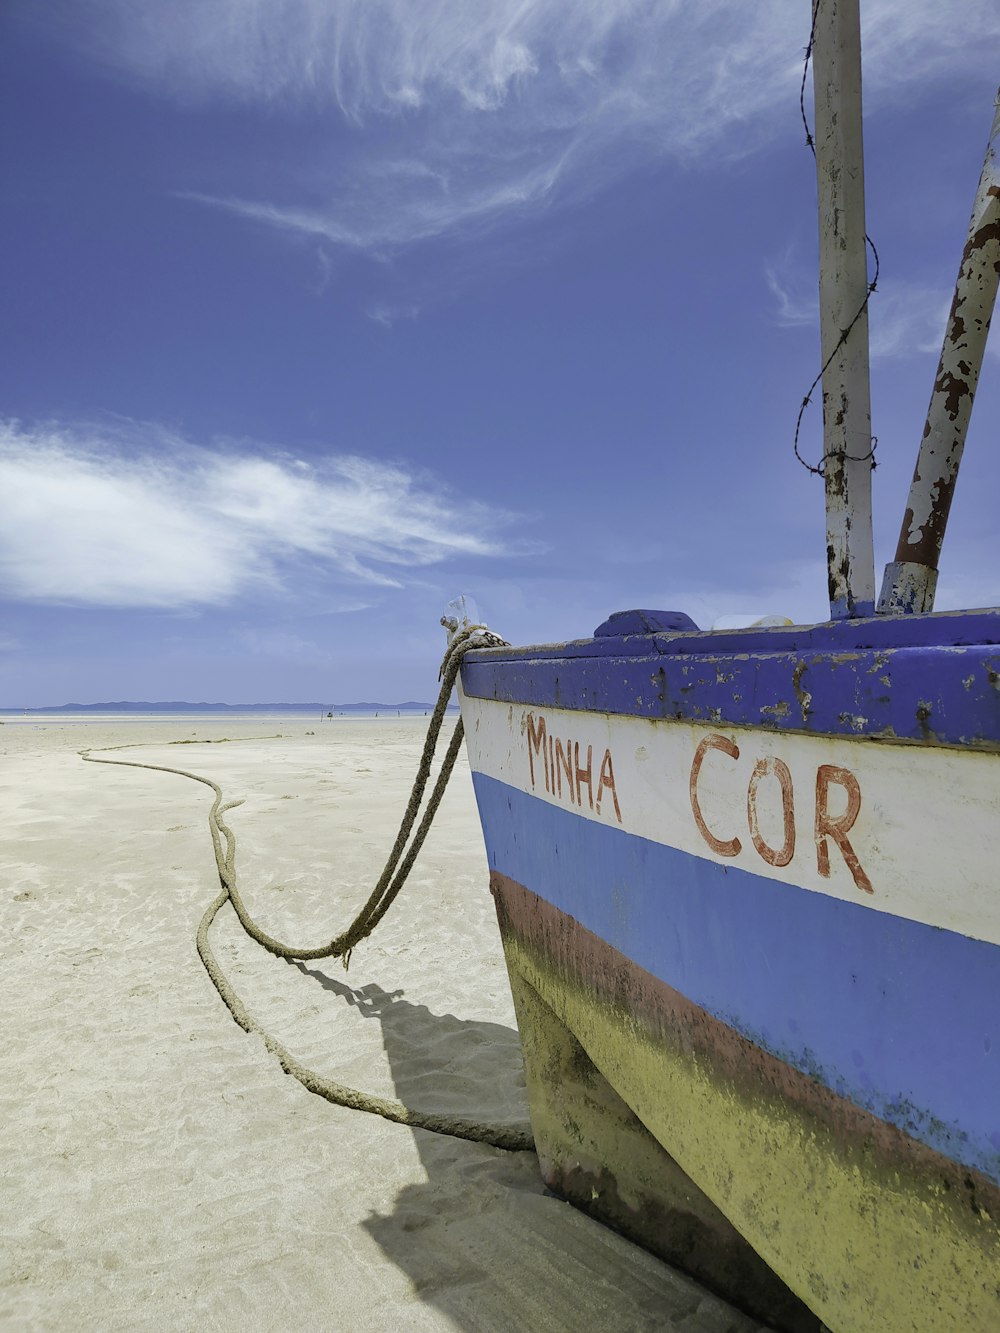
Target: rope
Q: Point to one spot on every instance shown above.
(390, 882)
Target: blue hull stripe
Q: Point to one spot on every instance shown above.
(901, 1018)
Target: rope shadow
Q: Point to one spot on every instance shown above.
(471, 1235)
(438, 1060)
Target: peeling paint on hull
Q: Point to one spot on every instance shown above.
(871, 1229)
(594, 1151)
(749, 880)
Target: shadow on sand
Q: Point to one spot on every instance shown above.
(482, 1241)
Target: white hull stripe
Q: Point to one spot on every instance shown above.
(899, 829)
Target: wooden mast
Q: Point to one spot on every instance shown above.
(843, 292)
(911, 579)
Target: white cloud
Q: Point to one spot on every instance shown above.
(464, 113)
(140, 517)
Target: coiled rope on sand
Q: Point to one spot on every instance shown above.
(390, 882)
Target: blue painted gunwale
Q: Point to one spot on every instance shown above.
(897, 1017)
(931, 680)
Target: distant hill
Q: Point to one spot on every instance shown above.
(181, 706)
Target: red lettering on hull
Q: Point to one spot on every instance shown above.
(557, 763)
(828, 827)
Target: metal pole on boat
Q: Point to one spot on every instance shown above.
(910, 580)
(843, 294)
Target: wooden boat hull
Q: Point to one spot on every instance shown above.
(757, 966)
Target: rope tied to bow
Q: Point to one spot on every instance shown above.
(394, 874)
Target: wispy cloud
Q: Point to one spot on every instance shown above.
(796, 299)
(387, 315)
(325, 267)
(904, 319)
(283, 646)
(138, 516)
(446, 114)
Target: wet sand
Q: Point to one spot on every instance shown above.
(159, 1171)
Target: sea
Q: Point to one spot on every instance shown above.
(389, 712)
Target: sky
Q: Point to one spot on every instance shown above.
(316, 313)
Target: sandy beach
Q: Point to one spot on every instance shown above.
(159, 1169)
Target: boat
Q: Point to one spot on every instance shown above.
(745, 878)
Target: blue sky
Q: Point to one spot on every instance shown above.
(319, 312)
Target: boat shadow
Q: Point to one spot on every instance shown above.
(481, 1240)
(442, 1065)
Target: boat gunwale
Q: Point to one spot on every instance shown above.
(978, 628)
(866, 681)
